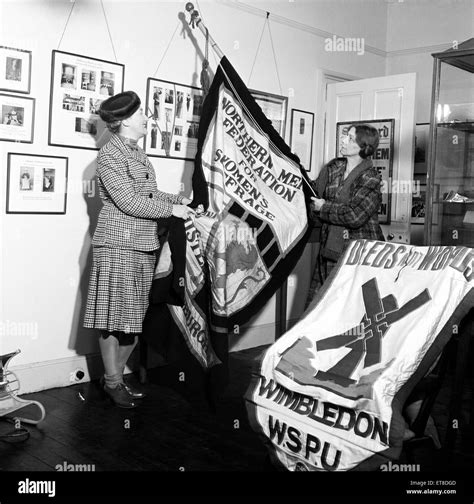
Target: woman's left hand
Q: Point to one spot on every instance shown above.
(317, 203)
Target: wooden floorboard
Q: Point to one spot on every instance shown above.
(174, 428)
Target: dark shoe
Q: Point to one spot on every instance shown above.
(120, 396)
(133, 392)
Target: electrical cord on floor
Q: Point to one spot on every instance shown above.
(17, 435)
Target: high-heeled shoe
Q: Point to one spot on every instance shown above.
(134, 392)
(120, 396)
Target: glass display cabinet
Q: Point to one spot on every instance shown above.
(450, 177)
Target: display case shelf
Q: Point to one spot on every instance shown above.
(467, 126)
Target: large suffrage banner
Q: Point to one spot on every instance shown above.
(256, 222)
(329, 393)
(253, 229)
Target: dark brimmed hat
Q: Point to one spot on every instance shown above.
(119, 107)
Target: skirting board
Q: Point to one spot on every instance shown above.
(64, 372)
(57, 373)
(71, 370)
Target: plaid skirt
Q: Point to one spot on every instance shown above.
(119, 288)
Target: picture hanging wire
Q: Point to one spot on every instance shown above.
(167, 48)
(108, 29)
(65, 26)
(267, 22)
(106, 23)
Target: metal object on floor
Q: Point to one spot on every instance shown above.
(9, 390)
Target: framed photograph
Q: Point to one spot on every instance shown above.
(274, 107)
(175, 111)
(78, 86)
(301, 136)
(17, 118)
(422, 131)
(15, 70)
(36, 184)
(382, 158)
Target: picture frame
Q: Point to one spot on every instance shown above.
(78, 86)
(17, 118)
(382, 158)
(301, 136)
(418, 206)
(36, 184)
(274, 107)
(15, 70)
(175, 111)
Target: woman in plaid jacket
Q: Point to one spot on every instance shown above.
(125, 241)
(350, 195)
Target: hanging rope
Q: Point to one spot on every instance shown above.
(67, 22)
(108, 29)
(205, 78)
(206, 50)
(258, 48)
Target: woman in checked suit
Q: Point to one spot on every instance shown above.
(125, 241)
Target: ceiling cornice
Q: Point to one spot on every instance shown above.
(236, 4)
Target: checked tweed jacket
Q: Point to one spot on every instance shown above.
(358, 214)
(131, 199)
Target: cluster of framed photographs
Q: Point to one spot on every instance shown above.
(17, 113)
(79, 84)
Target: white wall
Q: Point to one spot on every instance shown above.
(418, 28)
(45, 259)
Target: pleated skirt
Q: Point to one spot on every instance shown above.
(119, 288)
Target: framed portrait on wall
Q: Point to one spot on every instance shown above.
(79, 84)
(301, 136)
(274, 107)
(382, 158)
(17, 118)
(175, 111)
(15, 70)
(36, 184)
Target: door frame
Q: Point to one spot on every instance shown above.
(322, 77)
